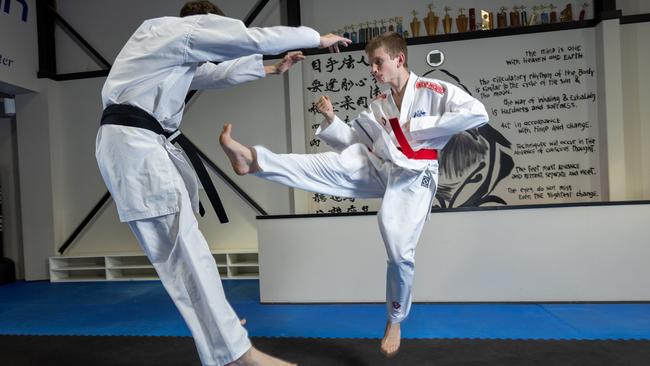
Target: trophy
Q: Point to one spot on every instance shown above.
(346, 34)
(391, 27)
(534, 19)
(544, 15)
(461, 21)
(472, 19)
(486, 20)
(583, 12)
(398, 26)
(501, 18)
(362, 33)
(524, 16)
(566, 15)
(383, 28)
(514, 16)
(553, 16)
(353, 34)
(375, 29)
(447, 22)
(431, 21)
(415, 24)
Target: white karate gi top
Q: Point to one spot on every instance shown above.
(437, 110)
(162, 60)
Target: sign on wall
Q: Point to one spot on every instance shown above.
(19, 47)
(541, 145)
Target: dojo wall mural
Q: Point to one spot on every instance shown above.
(541, 145)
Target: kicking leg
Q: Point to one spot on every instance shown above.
(349, 173)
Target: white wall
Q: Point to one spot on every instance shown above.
(636, 92)
(631, 7)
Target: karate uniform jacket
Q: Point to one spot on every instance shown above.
(162, 60)
(434, 110)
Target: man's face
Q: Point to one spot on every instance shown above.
(382, 66)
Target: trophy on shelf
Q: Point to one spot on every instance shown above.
(544, 16)
(362, 33)
(391, 26)
(375, 29)
(398, 26)
(534, 19)
(472, 19)
(353, 34)
(383, 27)
(566, 15)
(431, 21)
(462, 21)
(486, 20)
(553, 15)
(524, 16)
(583, 12)
(415, 25)
(501, 18)
(447, 21)
(514, 17)
(346, 33)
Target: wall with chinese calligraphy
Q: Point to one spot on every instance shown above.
(542, 143)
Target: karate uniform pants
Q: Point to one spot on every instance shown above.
(356, 172)
(187, 269)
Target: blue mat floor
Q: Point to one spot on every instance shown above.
(144, 309)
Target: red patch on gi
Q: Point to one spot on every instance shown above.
(381, 96)
(430, 85)
(396, 305)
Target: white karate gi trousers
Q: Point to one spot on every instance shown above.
(357, 172)
(187, 269)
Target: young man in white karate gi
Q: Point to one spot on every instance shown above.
(390, 151)
(153, 186)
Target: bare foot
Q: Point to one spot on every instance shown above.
(242, 158)
(254, 357)
(390, 343)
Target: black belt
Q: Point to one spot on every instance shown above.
(127, 115)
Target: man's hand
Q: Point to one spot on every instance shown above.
(285, 64)
(324, 107)
(332, 41)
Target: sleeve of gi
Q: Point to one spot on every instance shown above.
(339, 135)
(217, 38)
(227, 73)
(461, 112)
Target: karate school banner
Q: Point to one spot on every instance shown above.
(541, 145)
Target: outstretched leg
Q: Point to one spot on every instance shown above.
(346, 174)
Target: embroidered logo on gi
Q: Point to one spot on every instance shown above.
(430, 85)
(426, 181)
(396, 305)
(419, 113)
(381, 96)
